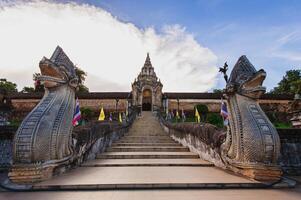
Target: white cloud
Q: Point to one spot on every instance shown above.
(111, 51)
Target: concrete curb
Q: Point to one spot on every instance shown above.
(284, 183)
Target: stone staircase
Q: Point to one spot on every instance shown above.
(146, 158)
(145, 143)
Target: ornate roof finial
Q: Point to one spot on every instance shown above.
(147, 61)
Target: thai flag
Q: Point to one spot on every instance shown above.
(77, 115)
(224, 111)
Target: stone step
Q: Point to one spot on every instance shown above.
(152, 186)
(146, 163)
(146, 155)
(147, 136)
(98, 178)
(147, 148)
(175, 144)
(146, 140)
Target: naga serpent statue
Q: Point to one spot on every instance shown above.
(43, 140)
(252, 144)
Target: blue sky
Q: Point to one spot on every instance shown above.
(187, 39)
(268, 32)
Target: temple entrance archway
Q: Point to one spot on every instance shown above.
(147, 100)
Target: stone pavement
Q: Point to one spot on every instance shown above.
(147, 158)
(243, 194)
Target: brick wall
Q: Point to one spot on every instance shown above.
(214, 104)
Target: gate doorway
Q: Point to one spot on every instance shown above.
(147, 100)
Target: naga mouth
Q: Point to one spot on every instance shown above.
(51, 74)
(253, 86)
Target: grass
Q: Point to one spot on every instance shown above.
(282, 125)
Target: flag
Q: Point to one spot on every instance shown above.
(224, 113)
(224, 110)
(120, 118)
(167, 114)
(102, 115)
(177, 115)
(183, 115)
(77, 115)
(172, 114)
(110, 118)
(197, 115)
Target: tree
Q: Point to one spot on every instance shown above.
(8, 86)
(28, 89)
(290, 83)
(83, 89)
(203, 111)
(218, 91)
(81, 75)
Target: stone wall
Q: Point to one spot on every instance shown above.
(6, 144)
(290, 158)
(88, 140)
(205, 140)
(26, 105)
(214, 105)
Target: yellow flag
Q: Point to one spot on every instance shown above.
(102, 115)
(197, 115)
(120, 118)
(177, 115)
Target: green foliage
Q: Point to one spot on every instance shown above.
(86, 113)
(28, 89)
(81, 75)
(8, 86)
(218, 91)
(203, 110)
(290, 83)
(215, 119)
(15, 122)
(83, 89)
(282, 125)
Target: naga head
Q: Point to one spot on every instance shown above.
(246, 80)
(57, 70)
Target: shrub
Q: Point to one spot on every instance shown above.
(203, 110)
(86, 113)
(215, 119)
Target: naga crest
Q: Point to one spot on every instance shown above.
(252, 143)
(43, 140)
(57, 70)
(246, 80)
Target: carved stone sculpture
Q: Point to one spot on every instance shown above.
(43, 141)
(252, 143)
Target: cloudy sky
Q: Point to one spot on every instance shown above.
(187, 40)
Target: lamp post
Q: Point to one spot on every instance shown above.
(116, 109)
